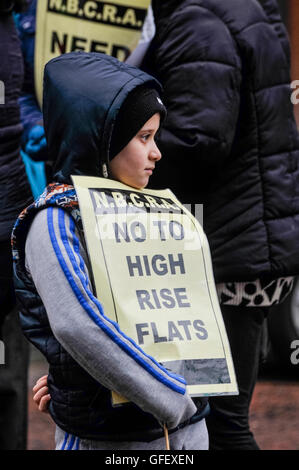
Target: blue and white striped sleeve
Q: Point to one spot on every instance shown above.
(55, 259)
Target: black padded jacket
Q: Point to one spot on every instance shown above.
(230, 139)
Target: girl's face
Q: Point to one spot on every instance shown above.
(136, 162)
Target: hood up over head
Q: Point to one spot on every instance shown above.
(83, 93)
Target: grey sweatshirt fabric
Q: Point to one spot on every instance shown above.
(82, 337)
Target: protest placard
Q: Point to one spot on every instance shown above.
(62, 26)
(153, 274)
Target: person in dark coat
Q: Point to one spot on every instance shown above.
(230, 142)
(14, 196)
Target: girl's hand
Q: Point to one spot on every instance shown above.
(41, 396)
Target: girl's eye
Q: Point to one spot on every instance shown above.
(145, 137)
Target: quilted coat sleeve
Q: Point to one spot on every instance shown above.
(196, 59)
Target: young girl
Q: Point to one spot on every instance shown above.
(101, 117)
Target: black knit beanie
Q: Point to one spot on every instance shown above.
(140, 105)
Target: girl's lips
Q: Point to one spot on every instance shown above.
(148, 170)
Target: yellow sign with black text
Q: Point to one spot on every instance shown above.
(62, 26)
(153, 275)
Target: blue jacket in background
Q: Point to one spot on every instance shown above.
(31, 115)
(30, 110)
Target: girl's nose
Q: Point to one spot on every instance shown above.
(155, 153)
